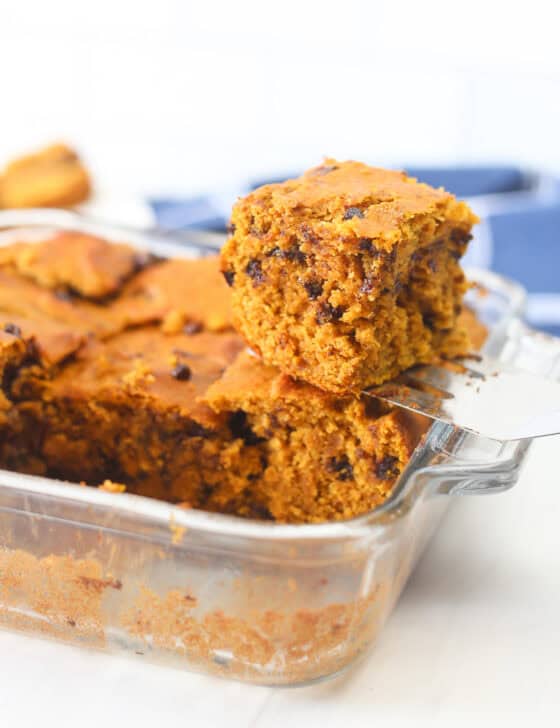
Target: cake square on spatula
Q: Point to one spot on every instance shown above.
(348, 275)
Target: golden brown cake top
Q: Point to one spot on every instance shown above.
(173, 371)
(249, 380)
(23, 298)
(179, 293)
(92, 286)
(81, 263)
(361, 201)
(51, 341)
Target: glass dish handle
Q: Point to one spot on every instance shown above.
(458, 477)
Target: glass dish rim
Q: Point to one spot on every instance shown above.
(162, 514)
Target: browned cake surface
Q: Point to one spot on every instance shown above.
(74, 262)
(180, 293)
(125, 369)
(349, 274)
(51, 177)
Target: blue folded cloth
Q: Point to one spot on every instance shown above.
(525, 246)
(519, 238)
(196, 213)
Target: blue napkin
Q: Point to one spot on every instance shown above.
(195, 213)
(526, 247)
(520, 237)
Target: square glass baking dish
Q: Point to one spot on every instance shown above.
(265, 603)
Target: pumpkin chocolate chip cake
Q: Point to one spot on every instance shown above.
(122, 367)
(349, 274)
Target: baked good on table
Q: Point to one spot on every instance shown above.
(51, 177)
(349, 274)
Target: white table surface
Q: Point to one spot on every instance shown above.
(476, 635)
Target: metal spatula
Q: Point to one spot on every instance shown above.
(480, 395)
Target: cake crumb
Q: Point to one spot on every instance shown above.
(139, 376)
(110, 487)
(177, 532)
(173, 322)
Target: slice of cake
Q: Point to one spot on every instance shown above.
(327, 457)
(348, 275)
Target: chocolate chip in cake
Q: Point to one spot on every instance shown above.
(308, 234)
(182, 372)
(327, 313)
(342, 467)
(192, 327)
(258, 228)
(366, 245)
(387, 468)
(293, 253)
(195, 429)
(457, 235)
(229, 275)
(353, 212)
(313, 287)
(12, 329)
(429, 321)
(231, 229)
(261, 512)
(205, 492)
(255, 272)
(64, 294)
(432, 265)
(240, 428)
(415, 257)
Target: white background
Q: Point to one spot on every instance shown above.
(175, 96)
